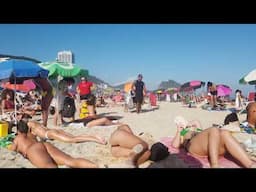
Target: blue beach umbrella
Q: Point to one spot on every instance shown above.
(16, 71)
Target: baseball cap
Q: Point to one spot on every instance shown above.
(82, 78)
(140, 75)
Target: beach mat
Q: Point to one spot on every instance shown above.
(194, 161)
(172, 161)
(218, 108)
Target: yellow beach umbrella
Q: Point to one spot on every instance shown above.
(128, 87)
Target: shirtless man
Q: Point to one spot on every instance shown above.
(43, 132)
(45, 155)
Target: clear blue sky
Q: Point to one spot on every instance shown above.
(220, 53)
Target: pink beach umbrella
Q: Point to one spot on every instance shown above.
(223, 90)
(26, 86)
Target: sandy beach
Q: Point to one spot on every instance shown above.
(154, 124)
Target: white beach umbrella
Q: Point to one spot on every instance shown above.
(250, 78)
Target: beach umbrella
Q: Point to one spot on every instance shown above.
(59, 70)
(26, 86)
(19, 70)
(128, 87)
(16, 71)
(63, 69)
(223, 90)
(192, 85)
(250, 78)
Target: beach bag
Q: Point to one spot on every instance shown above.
(158, 152)
(129, 102)
(69, 107)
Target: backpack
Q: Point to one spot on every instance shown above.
(69, 107)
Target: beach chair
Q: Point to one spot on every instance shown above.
(153, 101)
(251, 96)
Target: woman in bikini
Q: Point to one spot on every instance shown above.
(125, 144)
(43, 132)
(210, 142)
(45, 155)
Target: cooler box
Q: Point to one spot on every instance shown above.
(3, 129)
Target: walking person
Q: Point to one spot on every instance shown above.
(140, 91)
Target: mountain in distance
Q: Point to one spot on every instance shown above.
(119, 87)
(98, 81)
(162, 85)
(168, 84)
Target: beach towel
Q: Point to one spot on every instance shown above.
(4, 142)
(195, 161)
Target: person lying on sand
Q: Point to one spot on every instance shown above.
(43, 132)
(43, 154)
(212, 142)
(125, 144)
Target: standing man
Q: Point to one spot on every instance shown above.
(84, 88)
(140, 91)
(212, 89)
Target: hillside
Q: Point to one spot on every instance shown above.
(162, 85)
(118, 87)
(97, 80)
(168, 84)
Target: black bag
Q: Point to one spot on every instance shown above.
(69, 107)
(158, 152)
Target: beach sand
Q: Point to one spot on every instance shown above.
(154, 125)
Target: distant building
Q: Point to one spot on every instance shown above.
(66, 56)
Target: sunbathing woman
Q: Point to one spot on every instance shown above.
(45, 155)
(211, 142)
(125, 144)
(43, 132)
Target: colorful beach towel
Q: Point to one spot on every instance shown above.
(4, 142)
(195, 161)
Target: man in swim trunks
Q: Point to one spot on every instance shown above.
(45, 155)
(212, 89)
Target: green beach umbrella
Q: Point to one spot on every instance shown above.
(62, 69)
(250, 78)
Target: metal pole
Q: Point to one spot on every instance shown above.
(15, 107)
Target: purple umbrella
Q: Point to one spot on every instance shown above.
(223, 90)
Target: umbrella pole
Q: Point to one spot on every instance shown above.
(15, 107)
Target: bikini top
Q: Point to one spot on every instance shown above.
(187, 129)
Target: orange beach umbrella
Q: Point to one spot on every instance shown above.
(128, 87)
